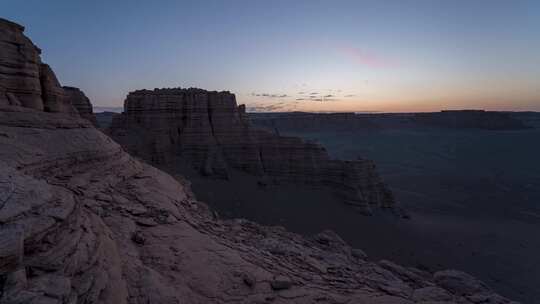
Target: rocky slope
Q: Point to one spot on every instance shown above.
(209, 131)
(81, 221)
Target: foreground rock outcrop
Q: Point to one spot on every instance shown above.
(208, 130)
(81, 221)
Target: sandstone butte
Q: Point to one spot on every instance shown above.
(81, 221)
(168, 127)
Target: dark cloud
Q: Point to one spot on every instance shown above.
(349, 95)
(270, 95)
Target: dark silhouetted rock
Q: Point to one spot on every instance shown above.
(168, 127)
(81, 103)
(459, 282)
(478, 119)
(281, 282)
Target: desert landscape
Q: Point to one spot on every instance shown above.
(252, 194)
(471, 192)
(471, 182)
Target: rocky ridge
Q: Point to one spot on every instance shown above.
(212, 133)
(81, 221)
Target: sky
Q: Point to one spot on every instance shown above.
(388, 56)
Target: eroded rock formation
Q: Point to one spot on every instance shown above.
(26, 81)
(81, 103)
(208, 130)
(81, 221)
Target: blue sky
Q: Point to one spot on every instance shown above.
(297, 55)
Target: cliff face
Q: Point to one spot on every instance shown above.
(83, 222)
(209, 131)
(26, 81)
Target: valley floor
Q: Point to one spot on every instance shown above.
(473, 197)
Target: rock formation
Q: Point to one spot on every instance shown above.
(477, 119)
(81, 103)
(26, 81)
(83, 222)
(208, 130)
(311, 122)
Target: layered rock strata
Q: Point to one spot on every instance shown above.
(81, 221)
(209, 131)
(26, 81)
(81, 103)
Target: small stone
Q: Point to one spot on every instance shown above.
(248, 280)
(138, 238)
(281, 283)
(359, 254)
(146, 222)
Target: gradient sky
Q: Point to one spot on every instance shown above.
(297, 55)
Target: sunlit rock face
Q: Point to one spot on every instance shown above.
(213, 134)
(81, 221)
